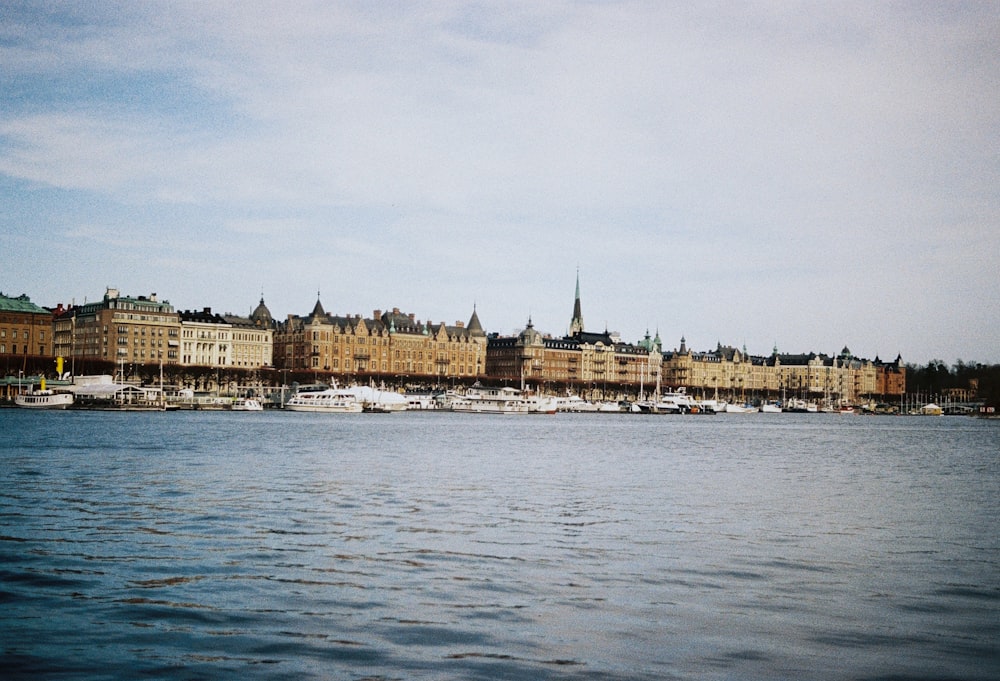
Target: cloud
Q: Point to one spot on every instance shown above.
(733, 164)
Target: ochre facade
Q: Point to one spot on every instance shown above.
(389, 346)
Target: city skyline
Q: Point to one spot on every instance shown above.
(802, 177)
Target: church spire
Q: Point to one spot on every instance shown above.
(576, 324)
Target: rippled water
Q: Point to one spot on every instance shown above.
(446, 546)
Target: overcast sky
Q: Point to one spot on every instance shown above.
(807, 175)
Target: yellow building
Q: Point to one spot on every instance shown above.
(389, 346)
(734, 375)
(252, 338)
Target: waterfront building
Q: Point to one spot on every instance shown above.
(834, 380)
(119, 329)
(735, 375)
(252, 338)
(25, 332)
(387, 346)
(725, 372)
(890, 377)
(597, 365)
(206, 339)
(594, 365)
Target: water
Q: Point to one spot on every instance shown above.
(443, 546)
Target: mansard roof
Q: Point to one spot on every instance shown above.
(592, 338)
(401, 322)
(203, 316)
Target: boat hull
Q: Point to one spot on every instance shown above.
(44, 401)
(325, 401)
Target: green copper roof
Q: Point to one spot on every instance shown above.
(20, 304)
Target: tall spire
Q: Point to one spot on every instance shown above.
(576, 324)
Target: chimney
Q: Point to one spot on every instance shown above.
(377, 314)
(152, 297)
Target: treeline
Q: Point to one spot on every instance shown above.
(982, 380)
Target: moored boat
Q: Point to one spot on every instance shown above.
(800, 406)
(375, 400)
(247, 404)
(44, 399)
(575, 403)
(675, 402)
(330, 400)
(482, 400)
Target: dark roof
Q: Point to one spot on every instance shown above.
(205, 316)
(318, 310)
(592, 338)
(475, 328)
(261, 315)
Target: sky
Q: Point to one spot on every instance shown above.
(806, 176)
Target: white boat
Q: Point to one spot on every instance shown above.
(676, 402)
(540, 404)
(247, 404)
(480, 400)
(330, 400)
(800, 406)
(44, 399)
(575, 403)
(421, 401)
(372, 399)
(740, 408)
(770, 408)
(712, 406)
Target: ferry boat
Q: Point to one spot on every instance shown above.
(44, 399)
(481, 400)
(330, 400)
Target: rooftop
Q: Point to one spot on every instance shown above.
(20, 304)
